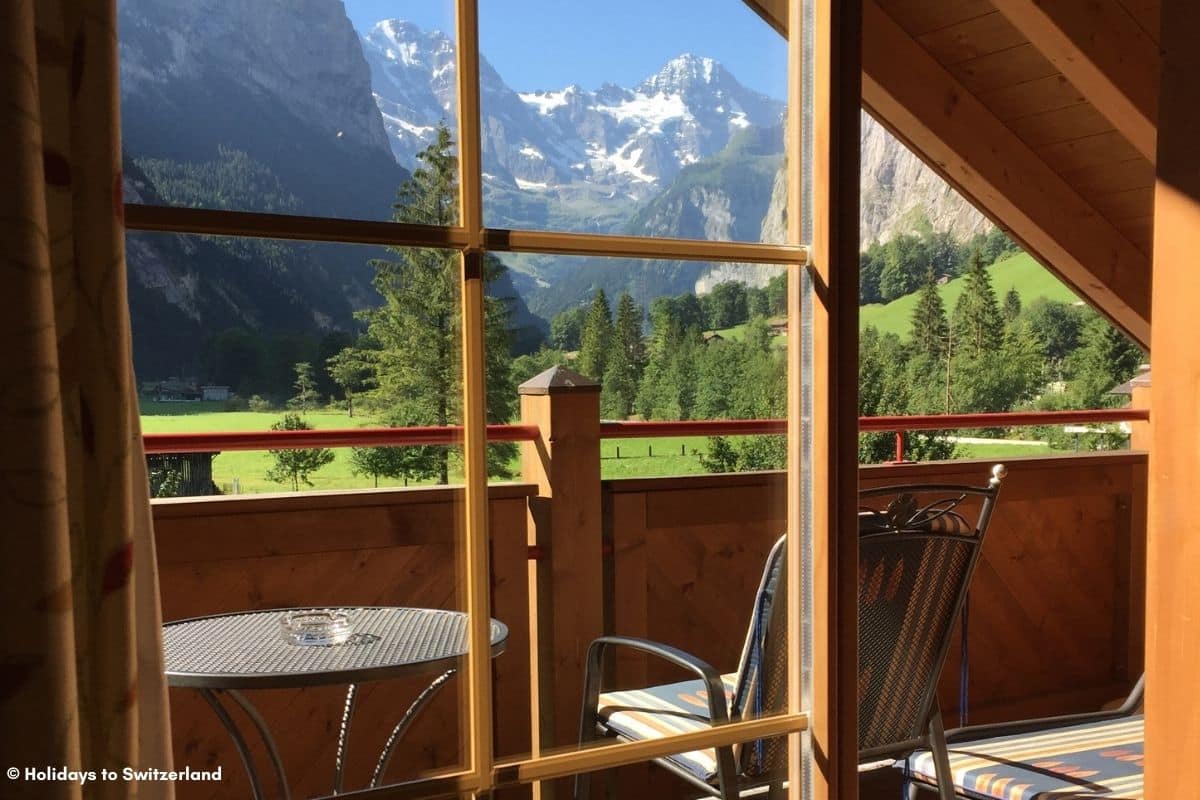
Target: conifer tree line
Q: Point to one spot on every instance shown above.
(719, 355)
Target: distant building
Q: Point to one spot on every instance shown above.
(213, 392)
(713, 336)
(943, 279)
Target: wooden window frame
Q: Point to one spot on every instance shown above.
(822, 303)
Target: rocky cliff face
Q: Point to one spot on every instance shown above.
(283, 81)
(898, 189)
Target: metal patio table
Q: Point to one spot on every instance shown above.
(226, 653)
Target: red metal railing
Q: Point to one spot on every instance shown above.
(448, 435)
(335, 437)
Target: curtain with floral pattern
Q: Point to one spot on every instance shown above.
(81, 682)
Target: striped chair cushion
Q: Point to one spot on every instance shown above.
(658, 711)
(1094, 760)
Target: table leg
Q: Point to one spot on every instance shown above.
(409, 716)
(265, 735)
(339, 764)
(211, 697)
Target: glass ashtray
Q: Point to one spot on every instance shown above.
(316, 627)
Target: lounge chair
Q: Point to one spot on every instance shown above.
(917, 551)
(1096, 755)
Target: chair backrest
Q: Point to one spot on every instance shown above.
(918, 547)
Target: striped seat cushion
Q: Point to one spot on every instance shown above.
(658, 711)
(1089, 761)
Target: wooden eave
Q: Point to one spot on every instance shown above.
(1044, 115)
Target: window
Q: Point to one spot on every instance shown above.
(469, 228)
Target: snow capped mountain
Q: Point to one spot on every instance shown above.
(572, 145)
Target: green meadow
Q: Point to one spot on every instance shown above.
(1029, 278)
(627, 458)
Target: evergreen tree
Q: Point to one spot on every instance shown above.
(978, 324)
(1012, 305)
(350, 368)
(1106, 358)
(295, 466)
(628, 333)
(929, 326)
(306, 396)
(620, 386)
(597, 337)
(418, 370)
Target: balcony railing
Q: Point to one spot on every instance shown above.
(157, 443)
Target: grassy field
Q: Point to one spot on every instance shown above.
(1030, 279)
(619, 458)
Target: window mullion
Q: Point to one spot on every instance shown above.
(478, 686)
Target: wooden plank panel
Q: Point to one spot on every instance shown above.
(419, 571)
(1140, 231)
(1036, 96)
(920, 101)
(1060, 125)
(1090, 151)
(1104, 52)
(922, 16)
(1111, 177)
(1125, 205)
(1146, 12)
(1019, 64)
(973, 38)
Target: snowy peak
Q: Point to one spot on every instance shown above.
(570, 145)
(685, 72)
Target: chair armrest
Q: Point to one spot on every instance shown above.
(718, 708)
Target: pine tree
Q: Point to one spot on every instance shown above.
(1012, 305)
(1106, 358)
(350, 368)
(597, 337)
(418, 370)
(628, 334)
(306, 396)
(977, 322)
(929, 326)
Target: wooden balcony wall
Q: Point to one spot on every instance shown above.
(380, 547)
(1056, 609)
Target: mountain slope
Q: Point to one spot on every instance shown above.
(1020, 272)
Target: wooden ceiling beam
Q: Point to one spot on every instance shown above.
(920, 101)
(1104, 52)
(951, 130)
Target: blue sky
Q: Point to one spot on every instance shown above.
(547, 44)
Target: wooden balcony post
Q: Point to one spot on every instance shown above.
(565, 567)
(1173, 550)
(1139, 432)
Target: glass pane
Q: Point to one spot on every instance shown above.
(307, 108)
(649, 119)
(250, 336)
(668, 341)
(644, 537)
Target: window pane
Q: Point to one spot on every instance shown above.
(307, 108)
(667, 341)
(242, 335)
(651, 119)
(643, 537)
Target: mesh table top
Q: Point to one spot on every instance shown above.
(248, 651)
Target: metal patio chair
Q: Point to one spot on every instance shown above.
(917, 552)
(1091, 755)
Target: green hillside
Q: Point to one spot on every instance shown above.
(1030, 278)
